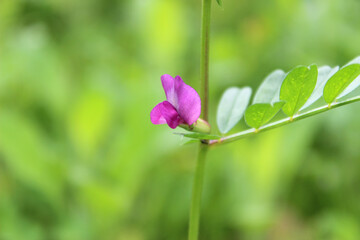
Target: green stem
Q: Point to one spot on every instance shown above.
(282, 122)
(196, 193)
(204, 60)
(204, 94)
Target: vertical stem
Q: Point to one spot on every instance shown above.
(200, 164)
(196, 194)
(204, 61)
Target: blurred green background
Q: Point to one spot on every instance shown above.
(79, 158)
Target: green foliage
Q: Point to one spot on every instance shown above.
(269, 90)
(297, 88)
(354, 84)
(219, 2)
(260, 113)
(232, 107)
(324, 73)
(339, 81)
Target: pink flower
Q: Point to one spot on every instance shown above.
(183, 104)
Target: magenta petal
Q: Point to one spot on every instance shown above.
(165, 113)
(155, 116)
(188, 100)
(168, 83)
(170, 86)
(170, 114)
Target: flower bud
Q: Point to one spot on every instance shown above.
(200, 126)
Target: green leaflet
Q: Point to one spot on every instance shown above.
(232, 107)
(297, 88)
(260, 113)
(339, 81)
(219, 2)
(354, 84)
(266, 101)
(269, 90)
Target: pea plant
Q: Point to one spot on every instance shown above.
(281, 99)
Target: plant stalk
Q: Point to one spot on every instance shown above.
(204, 59)
(196, 193)
(204, 94)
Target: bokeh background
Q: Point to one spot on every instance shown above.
(80, 160)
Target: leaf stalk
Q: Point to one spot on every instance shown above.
(282, 122)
